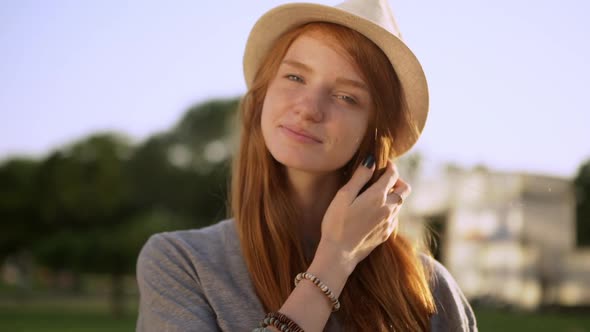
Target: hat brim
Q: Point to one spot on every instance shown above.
(283, 18)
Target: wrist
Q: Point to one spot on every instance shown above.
(330, 254)
(332, 267)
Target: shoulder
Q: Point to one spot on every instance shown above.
(184, 251)
(195, 280)
(453, 312)
(176, 273)
(195, 241)
(216, 232)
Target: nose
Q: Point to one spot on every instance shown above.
(310, 107)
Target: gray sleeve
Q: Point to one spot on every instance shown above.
(453, 310)
(171, 298)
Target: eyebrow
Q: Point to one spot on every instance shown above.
(354, 83)
(340, 80)
(297, 64)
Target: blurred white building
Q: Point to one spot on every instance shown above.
(506, 237)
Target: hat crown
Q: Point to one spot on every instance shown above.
(377, 11)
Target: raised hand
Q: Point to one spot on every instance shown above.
(355, 224)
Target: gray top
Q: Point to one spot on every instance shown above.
(197, 280)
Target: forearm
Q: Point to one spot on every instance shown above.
(307, 305)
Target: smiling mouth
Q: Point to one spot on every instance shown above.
(299, 135)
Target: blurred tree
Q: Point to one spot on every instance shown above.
(185, 171)
(19, 219)
(90, 206)
(85, 202)
(206, 122)
(209, 132)
(582, 189)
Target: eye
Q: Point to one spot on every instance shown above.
(294, 78)
(347, 99)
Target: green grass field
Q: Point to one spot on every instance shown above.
(92, 316)
(495, 320)
(52, 320)
(67, 314)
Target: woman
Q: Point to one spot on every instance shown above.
(334, 96)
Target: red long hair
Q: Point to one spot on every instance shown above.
(388, 290)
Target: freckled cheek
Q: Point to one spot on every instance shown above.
(269, 120)
(348, 139)
(264, 117)
(356, 134)
(270, 111)
(275, 105)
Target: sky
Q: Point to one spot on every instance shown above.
(508, 80)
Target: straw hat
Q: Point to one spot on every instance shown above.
(372, 18)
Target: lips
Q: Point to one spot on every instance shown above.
(300, 134)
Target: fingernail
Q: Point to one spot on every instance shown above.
(369, 161)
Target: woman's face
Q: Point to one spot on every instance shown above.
(317, 107)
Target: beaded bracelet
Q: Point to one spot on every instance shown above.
(321, 286)
(281, 322)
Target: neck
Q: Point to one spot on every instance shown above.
(312, 194)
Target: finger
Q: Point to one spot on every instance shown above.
(402, 189)
(395, 198)
(359, 178)
(387, 179)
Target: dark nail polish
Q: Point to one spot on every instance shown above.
(369, 161)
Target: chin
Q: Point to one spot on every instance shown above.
(306, 164)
